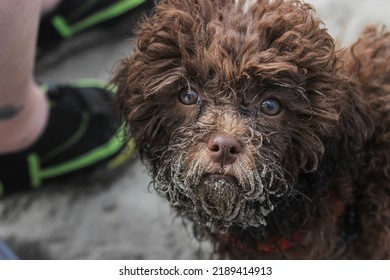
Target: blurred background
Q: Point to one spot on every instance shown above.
(123, 218)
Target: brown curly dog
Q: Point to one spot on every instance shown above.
(272, 142)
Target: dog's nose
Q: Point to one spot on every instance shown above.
(224, 149)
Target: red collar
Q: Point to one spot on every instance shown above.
(277, 246)
(269, 246)
(274, 245)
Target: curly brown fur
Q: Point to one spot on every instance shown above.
(291, 176)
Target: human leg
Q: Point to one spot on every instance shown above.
(23, 106)
(51, 134)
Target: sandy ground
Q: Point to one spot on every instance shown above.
(123, 219)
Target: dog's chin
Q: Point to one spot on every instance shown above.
(221, 203)
(219, 196)
(219, 199)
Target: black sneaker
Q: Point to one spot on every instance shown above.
(74, 17)
(82, 135)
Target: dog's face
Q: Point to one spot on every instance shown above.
(230, 103)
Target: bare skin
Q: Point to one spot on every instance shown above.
(23, 106)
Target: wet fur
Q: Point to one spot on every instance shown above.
(326, 152)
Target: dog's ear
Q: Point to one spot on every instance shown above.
(130, 100)
(139, 105)
(364, 71)
(357, 124)
(347, 147)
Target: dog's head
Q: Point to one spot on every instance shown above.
(230, 102)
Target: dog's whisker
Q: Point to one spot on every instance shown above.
(303, 195)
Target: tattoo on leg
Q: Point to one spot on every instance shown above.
(9, 111)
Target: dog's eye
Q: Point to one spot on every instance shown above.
(188, 97)
(271, 107)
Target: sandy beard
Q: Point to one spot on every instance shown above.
(215, 197)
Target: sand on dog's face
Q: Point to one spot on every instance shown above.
(218, 196)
